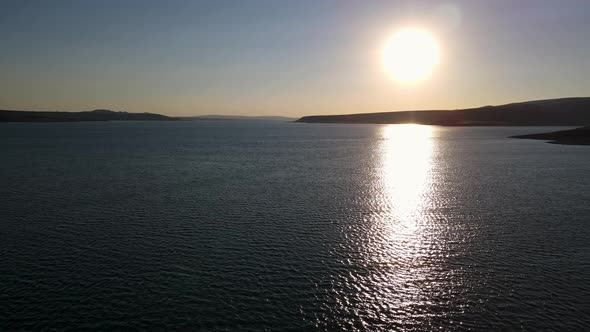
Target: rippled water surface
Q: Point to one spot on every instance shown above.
(278, 226)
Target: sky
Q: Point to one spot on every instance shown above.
(289, 58)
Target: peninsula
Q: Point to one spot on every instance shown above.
(549, 112)
(578, 136)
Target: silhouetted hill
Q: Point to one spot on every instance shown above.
(96, 115)
(578, 136)
(550, 112)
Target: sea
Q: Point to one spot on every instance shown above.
(271, 226)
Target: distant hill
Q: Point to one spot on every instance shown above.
(578, 136)
(550, 112)
(238, 117)
(96, 115)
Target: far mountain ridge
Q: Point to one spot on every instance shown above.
(95, 115)
(214, 117)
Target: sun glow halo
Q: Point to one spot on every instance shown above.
(410, 55)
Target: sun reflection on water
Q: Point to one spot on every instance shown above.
(402, 196)
(402, 235)
(406, 152)
(396, 254)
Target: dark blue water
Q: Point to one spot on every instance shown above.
(270, 226)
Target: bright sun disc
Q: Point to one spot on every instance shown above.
(410, 54)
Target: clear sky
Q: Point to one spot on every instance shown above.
(288, 58)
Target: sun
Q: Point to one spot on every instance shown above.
(410, 55)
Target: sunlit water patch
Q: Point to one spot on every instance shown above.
(398, 270)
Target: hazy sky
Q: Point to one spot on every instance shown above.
(287, 58)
